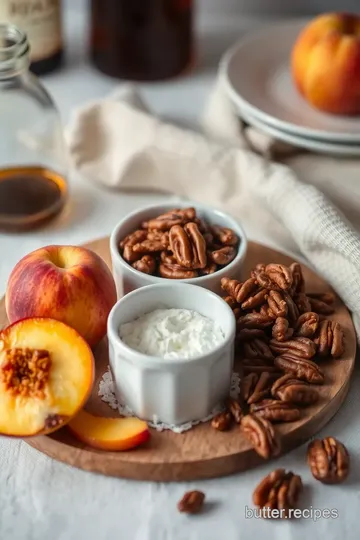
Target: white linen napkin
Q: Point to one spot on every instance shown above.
(116, 142)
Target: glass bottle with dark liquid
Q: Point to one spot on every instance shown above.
(33, 188)
(142, 39)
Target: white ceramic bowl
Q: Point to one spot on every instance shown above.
(128, 279)
(173, 391)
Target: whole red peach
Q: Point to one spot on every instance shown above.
(67, 283)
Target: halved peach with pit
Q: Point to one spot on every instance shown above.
(109, 433)
(46, 375)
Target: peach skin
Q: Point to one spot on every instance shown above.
(325, 63)
(66, 283)
(109, 433)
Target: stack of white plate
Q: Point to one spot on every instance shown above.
(256, 74)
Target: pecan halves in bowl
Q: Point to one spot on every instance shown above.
(164, 222)
(298, 285)
(188, 246)
(329, 461)
(262, 435)
(279, 490)
(320, 307)
(223, 255)
(299, 346)
(300, 368)
(290, 389)
(147, 264)
(224, 235)
(133, 238)
(175, 271)
(330, 339)
(275, 410)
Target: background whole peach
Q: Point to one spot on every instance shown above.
(326, 63)
(66, 283)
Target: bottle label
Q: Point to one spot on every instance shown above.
(40, 19)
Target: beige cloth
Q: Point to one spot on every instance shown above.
(118, 143)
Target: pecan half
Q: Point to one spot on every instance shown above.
(254, 320)
(320, 307)
(275, 276)
(261, 388)
(329, 461)
(147, 264)
(281, 331)
(188, 246)
(257, 348)
(224, 235)
(133, 238)
(248, 334)
(277, 304)
(130, 255)
(239, 291)
(221, 421)
(235, 409)
(231, 302)
(276, 411)
(175, 271)
(307, 324)
(280, 491)
(148, 246)
(164, 222)
(293, 310)
(198, 245)
(223, 255)
(247, 385)
(299, 346)
(330, 339)
(261, 435)
(256, 299)
(159, 236)
(292, 390)
(192, 502)
(300, 368)
(298, 285)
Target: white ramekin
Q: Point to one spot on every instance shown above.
(171, 391)
(128, 279)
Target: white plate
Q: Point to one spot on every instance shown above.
(315, 145)
(256, 73)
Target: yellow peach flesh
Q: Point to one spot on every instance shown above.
(70, 379)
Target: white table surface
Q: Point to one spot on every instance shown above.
(41, 499)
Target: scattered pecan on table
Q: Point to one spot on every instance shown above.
(192, 502)
(329, 461)
(183, 245)
(222, 421)
(279, 490)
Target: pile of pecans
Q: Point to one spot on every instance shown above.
(282, 336)
(179, 245)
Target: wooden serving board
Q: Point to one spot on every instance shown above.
(202, 452)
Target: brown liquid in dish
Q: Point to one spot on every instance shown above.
(29, 196)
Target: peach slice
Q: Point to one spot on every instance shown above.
(46, 375)
(109, 433)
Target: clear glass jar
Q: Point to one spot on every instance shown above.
(33, 162)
